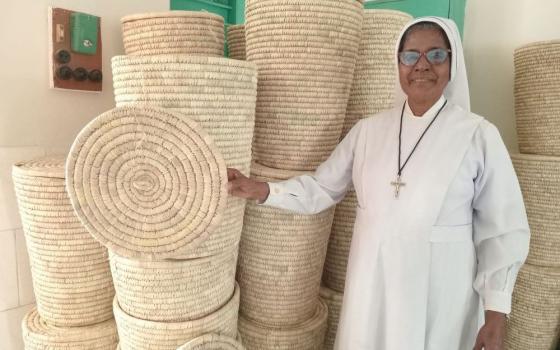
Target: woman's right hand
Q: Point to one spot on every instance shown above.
(241, 186)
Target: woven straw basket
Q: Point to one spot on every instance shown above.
(219, 93)
(537, 102)
(373, 88)
(539, 178)
(334, 271)
(146, 182)
(279, 269)
(308, 335)
(333, 299)
(305, 51)
(40, 335)
(212, 341)
(236, 41)
(535, 312)
(174, 32)
(174, 290)
(138, 334)
(71, 276)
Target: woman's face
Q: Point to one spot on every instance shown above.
(423, 81)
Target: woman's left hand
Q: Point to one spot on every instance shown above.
(491, 336)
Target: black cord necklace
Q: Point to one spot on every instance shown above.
(398, 183)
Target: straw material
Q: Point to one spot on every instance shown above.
(308, 335)
(146, 182)
(535, 317)
(236, 42)
(333, 299)
(334, 271)
(174, 290)
(212, 341)
(138, 334)
(309, 45)
(40, 335)
(70, 272)
(174, 32)
(537, 106)
(373, 88)
(539, 178)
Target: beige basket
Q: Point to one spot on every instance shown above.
(138, 334)
(301, 43)
(40, 335)
(174, 32)
(307, 335)
(146, 182)
(336, 261)
(537, 102)
(539, 178)
(174, 290)
(279, 269)
(212, 341)
(236, 42)
(535, 315)
(333, 299)
(70, 272)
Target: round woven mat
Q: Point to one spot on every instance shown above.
(536, 89)
(146, 182)
(333, 299)
(40, 335)
(236, 42)
(212, 341)
(139, 334)
(306, 335)
(71, 276)
(539, 178)
(535, 315)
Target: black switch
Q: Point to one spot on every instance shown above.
(80, 74)
(62, 56)
(95, 75)
(64, 73)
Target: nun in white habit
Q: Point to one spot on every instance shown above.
(441, 229)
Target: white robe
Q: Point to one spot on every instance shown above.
(421, 265)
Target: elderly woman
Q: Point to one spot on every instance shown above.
(441, 229)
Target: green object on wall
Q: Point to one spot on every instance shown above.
(84, 30)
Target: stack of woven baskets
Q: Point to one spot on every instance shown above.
(305, 52)
(372, 91)
(535, 318)
(236, 41)
(70, 271)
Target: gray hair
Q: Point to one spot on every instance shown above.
(424, 25)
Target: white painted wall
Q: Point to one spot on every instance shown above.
(493, 29)
(35, 120)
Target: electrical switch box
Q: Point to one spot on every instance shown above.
(75, 54)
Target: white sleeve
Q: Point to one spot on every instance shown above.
(501, 230)
(310, 194)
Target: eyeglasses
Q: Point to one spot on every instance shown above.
(434, 56)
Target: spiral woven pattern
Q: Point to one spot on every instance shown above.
(174, 32)
(138, 334)
(174, 290)
(333, 299)
(212, 341)
(40, 335)
(537, 106)
(146, 182)
(534, 320)
(305, 51)
(539, 178)
(70, 273)
(236, 41)
(308, 334)
(373, 88)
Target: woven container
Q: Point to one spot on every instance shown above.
(138, 334)
(308, 335)
(537, 102)
(539, 178)
(40, 335)
(70, 271)
(174, 290)
(333, 299)
(301, 47)
(535, 317)
(146, 182)
(373, 88)
(174, 32)
(279, 268)
(236, 41)
(212, 341)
